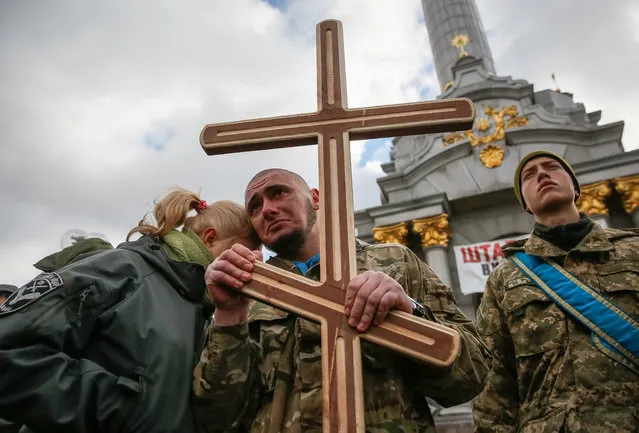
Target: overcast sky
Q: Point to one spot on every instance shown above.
(102, 103)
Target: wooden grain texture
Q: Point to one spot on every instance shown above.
(331, 127)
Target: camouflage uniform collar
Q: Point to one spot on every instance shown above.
(285, 264)
(595, 241)
(536, 246)
(360, 245)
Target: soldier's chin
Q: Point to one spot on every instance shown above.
(288, 244)
(552, 202)
(280, 235)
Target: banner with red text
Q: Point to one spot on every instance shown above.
(476, 261)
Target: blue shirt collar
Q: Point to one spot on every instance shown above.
(305, 266)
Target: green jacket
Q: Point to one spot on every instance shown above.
(547, 376)
(106, 344)
(244, 365)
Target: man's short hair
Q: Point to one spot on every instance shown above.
(299, 179)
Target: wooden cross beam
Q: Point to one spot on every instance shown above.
(331, 127)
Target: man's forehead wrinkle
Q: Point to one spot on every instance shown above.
(257, 182)
(264, 186)
(254, 185)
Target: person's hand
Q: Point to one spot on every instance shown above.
(369, 298)
(224, 277)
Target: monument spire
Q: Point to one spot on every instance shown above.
(455, 22)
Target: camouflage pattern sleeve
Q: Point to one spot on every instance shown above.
(465, 378)
(225, 380)
(496, 408)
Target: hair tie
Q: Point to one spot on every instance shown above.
(200, 205)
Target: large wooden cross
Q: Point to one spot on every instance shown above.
(331, 127)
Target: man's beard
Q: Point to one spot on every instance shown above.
(288, 245)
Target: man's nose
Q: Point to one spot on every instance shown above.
(268, 208)
(541, 174)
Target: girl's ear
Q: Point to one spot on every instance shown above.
(208, 236)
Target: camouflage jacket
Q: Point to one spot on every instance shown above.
(245, 365)
(547, 376)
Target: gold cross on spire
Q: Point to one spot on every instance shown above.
(460, 41)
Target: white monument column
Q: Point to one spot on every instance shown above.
(592, 202)
(435, 234)
(628, 188)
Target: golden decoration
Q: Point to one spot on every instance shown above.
(433, 230)
(483, 124)
(492, 156)
(448, 85)
(455, 136)
(592, 200)
(506, 118)
(395, 234)
(460, 41)
(628, 188)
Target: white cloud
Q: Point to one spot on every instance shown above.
(589, 45)
(102, 103)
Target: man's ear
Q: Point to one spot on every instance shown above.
(315, 198)
(576, 195)
(208, 236)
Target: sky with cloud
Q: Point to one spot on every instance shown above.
(102, 103)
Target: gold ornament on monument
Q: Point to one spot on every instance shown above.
(505, 118)
(628, 188)
(483, 124)
(433, 230)
(592, 200)
(460, 41)
(492, 156)
(395, 234)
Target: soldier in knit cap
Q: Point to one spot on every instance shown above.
(560, 316)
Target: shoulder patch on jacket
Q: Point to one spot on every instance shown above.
(31, 292)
